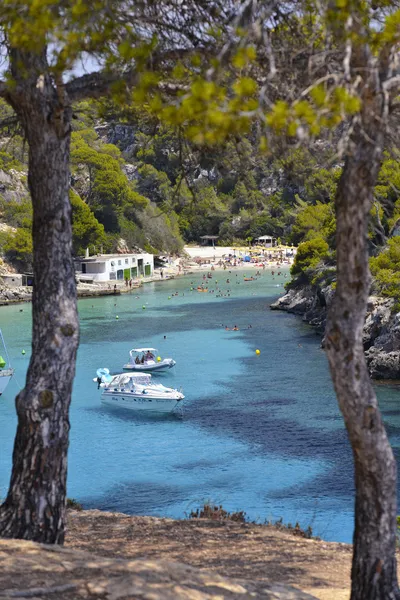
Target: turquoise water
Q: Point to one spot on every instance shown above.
(259, 433)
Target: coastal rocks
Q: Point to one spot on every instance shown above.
(297, 302)
(39, 571)
(377, 323)
(307, 302)
(383, 365)
(381, 334)
(14, 295)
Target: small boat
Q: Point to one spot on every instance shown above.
(144, 359)
(201, 289)
(6, 372)
(249, 278)
(136, 391)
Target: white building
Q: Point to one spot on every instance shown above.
(266, 240)
(117, 267)
(17, 279)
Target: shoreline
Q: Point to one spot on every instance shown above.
(23, 295)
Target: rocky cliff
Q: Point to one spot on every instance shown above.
(381, 336)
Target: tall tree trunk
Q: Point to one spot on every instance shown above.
(374, 562)
(35, 505)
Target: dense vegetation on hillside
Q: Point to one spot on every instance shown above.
(314, 228)
(138, 183)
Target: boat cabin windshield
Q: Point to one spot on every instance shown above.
(130, 379)
(140, 378)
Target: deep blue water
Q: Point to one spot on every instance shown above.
(261, 434)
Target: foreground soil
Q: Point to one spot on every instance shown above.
(257, 553)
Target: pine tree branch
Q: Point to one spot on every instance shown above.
(95, 85)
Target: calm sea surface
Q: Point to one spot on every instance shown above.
(261, 434)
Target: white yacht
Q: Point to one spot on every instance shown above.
(6, 371)
(147, 359)
(136, 391)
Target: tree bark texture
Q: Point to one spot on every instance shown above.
(35, 505)
(374, 563)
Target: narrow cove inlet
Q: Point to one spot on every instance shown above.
(259, 433)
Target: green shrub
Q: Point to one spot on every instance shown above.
(7, 162)
(19, 249)
(86, 230)
(309, 255)
(217, 513)
(73, 504)
(386, 270)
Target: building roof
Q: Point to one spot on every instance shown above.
(265, 237)
(103, 257)
(209, 237)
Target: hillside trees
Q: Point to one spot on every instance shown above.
(86, 229)
(126, 208)
(18, 248)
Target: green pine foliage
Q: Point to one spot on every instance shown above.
(18, 249)
(86, 229)
(314, 221)
(124, 208)
(309, 256)
(386, 270)
(8, 162)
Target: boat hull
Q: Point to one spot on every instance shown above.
(140, 403)
(5, 377)
(148, 367)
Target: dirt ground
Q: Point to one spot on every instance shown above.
(240, 551)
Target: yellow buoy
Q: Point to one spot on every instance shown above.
(116, 316)
(23, 352)
(158, 358)
(144, 308)
(258, 352)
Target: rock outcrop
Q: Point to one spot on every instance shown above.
(13, 185)
(381, 335)
(9, 295)
(30, 570)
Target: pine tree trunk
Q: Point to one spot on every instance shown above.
(35, 505)
(374, 563)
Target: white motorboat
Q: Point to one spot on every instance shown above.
(6, 371)
(136, 391)
(147, 359)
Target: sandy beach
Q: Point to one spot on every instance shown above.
(192, 260)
